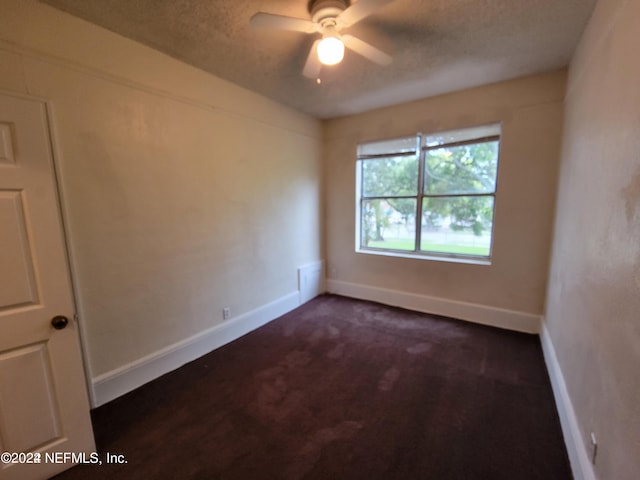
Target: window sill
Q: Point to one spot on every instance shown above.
(432, 257)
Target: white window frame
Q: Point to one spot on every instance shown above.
(424, 143)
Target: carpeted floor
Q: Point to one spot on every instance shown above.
(343, 389)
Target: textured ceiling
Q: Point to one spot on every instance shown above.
(438, 46)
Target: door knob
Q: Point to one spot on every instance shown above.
(59, 322)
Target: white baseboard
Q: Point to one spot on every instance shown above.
(578, 455)
(496, 317)
(115, 383)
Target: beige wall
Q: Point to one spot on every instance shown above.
(593, 306)
(183, 193)
(530, 110)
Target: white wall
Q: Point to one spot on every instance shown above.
(509, 292)
(183, 193)
(593, 304)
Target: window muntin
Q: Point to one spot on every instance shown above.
(448, 181)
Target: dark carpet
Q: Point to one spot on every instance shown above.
(343, 389)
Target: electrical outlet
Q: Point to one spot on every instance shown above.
(594, 448)
(226, 313)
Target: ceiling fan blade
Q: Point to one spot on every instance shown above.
(360, 10)
(280, 22)
(312, 66)
(367, 51)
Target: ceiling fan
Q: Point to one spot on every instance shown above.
(329, 18)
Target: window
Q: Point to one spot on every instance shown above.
(429, 195)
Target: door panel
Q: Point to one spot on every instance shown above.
(34, 418)
(6, 145)
(43, 399)
(15, 253)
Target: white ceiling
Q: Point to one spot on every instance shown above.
(438, 46)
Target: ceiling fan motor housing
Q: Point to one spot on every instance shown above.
(324, 12)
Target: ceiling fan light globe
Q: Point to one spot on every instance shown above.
(330, 50)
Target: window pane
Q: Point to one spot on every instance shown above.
(463, 169)
(390, 176)
(389, 223)
(396, 145)
(457, 225)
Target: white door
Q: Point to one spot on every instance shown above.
(43, 398)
